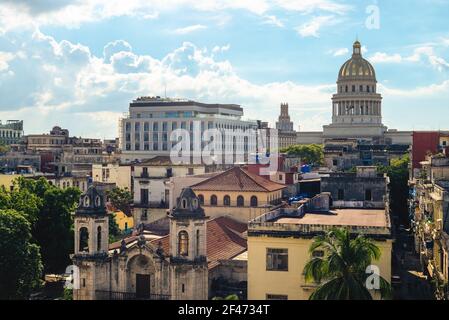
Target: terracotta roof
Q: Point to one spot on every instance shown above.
(238, 179)
(225, 240)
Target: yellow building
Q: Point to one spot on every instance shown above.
(239, 194)
(7, 180)
(279, 242)
(125, 223)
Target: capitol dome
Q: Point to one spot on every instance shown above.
(357, 68)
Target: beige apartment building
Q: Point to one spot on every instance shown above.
(279, 243)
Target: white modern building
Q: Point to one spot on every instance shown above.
(145, 132)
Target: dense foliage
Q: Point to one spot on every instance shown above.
(20, 260)
(121, 199)
(48, 211)
(312, 154)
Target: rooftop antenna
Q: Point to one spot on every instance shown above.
(165, 91)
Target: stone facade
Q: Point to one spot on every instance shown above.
(140, 268)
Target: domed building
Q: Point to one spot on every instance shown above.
(357, 106)
(357, 135)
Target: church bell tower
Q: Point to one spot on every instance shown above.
(188, 259)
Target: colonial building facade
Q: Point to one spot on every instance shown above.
(185, 263)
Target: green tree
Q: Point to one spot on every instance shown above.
(114, 230)
(20, 260)
(312, 154)
(398, 173)
(48, 210)
(340, 271)
(121, 199)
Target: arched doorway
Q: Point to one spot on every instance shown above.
(141, 276)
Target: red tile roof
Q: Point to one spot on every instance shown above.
(225, 240)
(238, 179)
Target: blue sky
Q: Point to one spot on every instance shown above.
(78, 63)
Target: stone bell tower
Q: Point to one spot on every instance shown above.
(91, 243)
(188, 260)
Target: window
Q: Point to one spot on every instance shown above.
(201, 199)
(361, 89)
(277, 259)
(353, 88)
(335, 162)
(341, 194)
(156, 126)
(444, 143)
(367, 89)
(183, 244)
(83, 240)
(164, 126)
(240, 201)
(190, 171)
(280, 177)
(144, 196)
(368, 195)
(99, 238)
(276, 297)
(253, 201)
(213, 200)
(184, 203)
(227, 201)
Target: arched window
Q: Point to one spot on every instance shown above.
(184, 203)
(213, 200)
(183, 243)
(227, 201)
(253, 201)
(97, 201)
(361, 88)
(99, 238)
(86, 201)
(201, 199)
(240, 201)
(83, 240)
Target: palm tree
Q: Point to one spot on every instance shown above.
(340, 268)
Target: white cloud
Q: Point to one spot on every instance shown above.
(381, 57)
(313, 5)
(339, 52)
(273, 20)
(73, 13)
(312, 28)
(218, 49)
(62, 82)
(189, 29)
(421, 53)
(5, 58)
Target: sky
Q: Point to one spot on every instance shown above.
(79, 63)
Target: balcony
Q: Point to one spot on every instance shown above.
(114, 295)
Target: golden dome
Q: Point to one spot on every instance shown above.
(357, 68)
